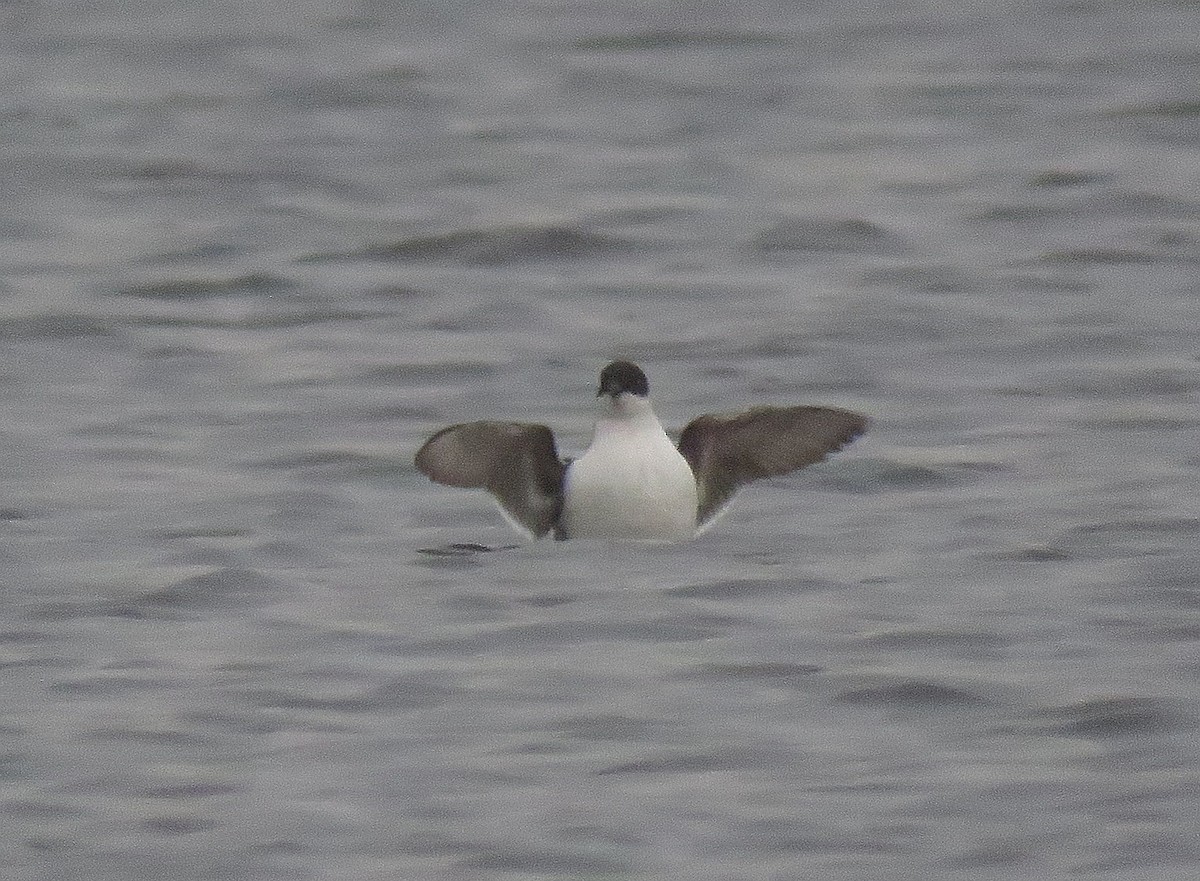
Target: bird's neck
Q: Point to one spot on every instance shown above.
(629, 408)
(625, 417)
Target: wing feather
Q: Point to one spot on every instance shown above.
(730, 449)
(517, 462)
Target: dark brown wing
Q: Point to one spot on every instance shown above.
(727, 450)
(517, 462)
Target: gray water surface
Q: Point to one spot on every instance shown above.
(253, 254)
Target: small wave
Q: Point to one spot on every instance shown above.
(503, 314)
(926, 279)
(509, 244)
(605, 726)
(867, 475)
(463, 549)
(1061, 178)
(910, 694)
(223, 589)
(778, 673)
(205, 288)
(1110, 717)
(449, 373)
(338, 463)
(823, 234)
(694, 763)
(1128, 381)
(1172, 122)
(750, 588)
(400, 694)
(197, 789)
(177, 825)
(397, 85)
(1099, 255)
(43, 810)
(107, 686)
(972, 642)
(132, 734)
(677, 628)
(1138, 536)
(656, 39)
(1034, 554)
(529, 862)
(1184, 109)
(201, 531)
(56, 326)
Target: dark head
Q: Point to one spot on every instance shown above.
(622, 376)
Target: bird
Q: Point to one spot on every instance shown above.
(632, 482)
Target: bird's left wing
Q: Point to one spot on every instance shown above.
(517, 462)
(727, 450)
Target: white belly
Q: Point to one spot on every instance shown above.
(617, 491)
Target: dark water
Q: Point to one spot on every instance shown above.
(254, 253)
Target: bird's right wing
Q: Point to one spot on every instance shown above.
(517, 462)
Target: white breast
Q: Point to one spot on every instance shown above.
(631, 483)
